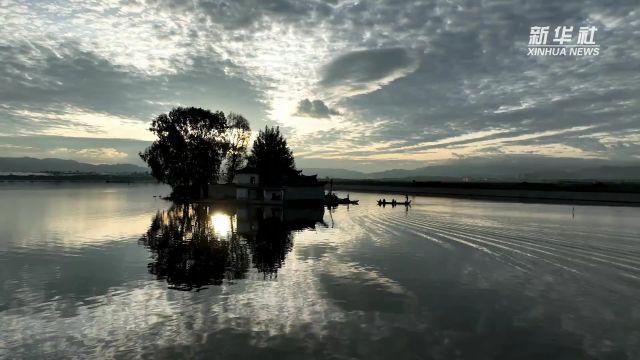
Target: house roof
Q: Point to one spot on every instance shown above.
(290, 178)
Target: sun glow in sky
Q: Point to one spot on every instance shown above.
(355, 84)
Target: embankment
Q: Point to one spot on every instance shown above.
(607, 195)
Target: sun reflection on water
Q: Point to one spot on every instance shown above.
(222, 224)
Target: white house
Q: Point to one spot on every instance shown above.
(246, 187)
(247, 182)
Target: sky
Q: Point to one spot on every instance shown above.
(362, 85)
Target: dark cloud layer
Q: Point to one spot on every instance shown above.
(38, 79)
(358, 71)
(315, 108)
(414, 81)
(475, 77)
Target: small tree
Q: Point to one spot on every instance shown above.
(271, 156)
(189, 149)
(237, 136)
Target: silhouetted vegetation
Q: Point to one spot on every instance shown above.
(237, 135)
(190, 253)
(193, 143)
(270, 245)
(271, 156)
(190, 148)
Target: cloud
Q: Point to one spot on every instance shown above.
(75, 148)
(365, 71)
(315, 108)
(96, 153)
(93, 154)
(15, 147)
(254, 14)
(433, 79)
(44, 88)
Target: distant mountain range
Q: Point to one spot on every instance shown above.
(504, 169)
(33, 165)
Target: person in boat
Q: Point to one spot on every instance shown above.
(393, 202)
(406, 198)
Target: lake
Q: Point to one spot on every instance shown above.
(110, 271)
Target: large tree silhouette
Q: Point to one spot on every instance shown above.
(271, 156)
(237, 136)
(189, 149)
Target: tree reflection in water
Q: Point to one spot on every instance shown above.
(187, 251)
(270, 245)
(195, 245)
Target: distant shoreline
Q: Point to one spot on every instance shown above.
(578, 193)
(88, 178)
(508, 192)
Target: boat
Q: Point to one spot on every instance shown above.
(342, 202)
(394, 203)
(333, 200)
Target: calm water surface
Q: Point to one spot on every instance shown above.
(109, 271)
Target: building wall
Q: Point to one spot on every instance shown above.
(305, 193)
(248, 193)
(255, 193)
(242, 193)
(273, 196)
(245, 179)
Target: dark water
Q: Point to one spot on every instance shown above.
(98, 271)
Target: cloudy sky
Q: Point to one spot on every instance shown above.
(365, 85)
